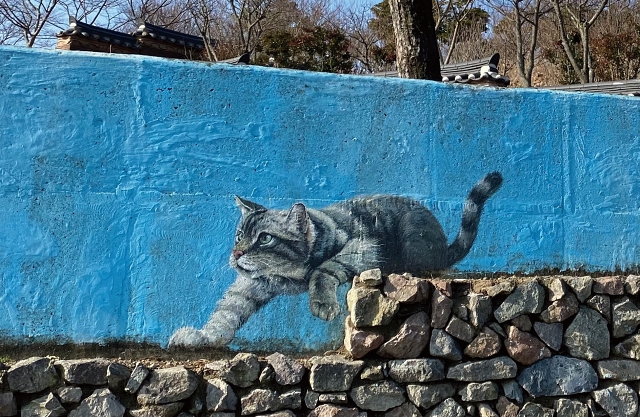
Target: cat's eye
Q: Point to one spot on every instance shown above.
(239, 236)
(265, 239)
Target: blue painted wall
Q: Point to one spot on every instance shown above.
(117, 177)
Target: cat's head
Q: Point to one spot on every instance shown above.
(272, 244)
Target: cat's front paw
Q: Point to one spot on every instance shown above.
(188, 337)
(326, 310)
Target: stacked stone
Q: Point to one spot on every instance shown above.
(544, 346)
(553, 346)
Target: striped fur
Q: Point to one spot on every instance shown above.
(301, 249)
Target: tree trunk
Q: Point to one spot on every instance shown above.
(416, 43)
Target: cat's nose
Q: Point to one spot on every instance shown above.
(237, 253)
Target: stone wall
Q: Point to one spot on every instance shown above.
(543, 346)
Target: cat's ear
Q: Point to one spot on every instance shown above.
(298, 217)
(246, 206)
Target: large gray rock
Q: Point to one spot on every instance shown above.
(480, 309)
(581, 286)
(486, 370)
(485, 345)
(334, 398)
(527, 298)
(117, 377)
(566, 407)
(608, 285)
(167, 385)
(448, 408)
(8, 406)
(479, 391)
(412, 338)
(522, 323)
(619, 369)
(460, 329)
(139, 374)
(311, 399)
(561, 310)
(370, 278)
(243, 371)
(632, 284)
(625, 318)
(368, 307)
(84, 371)
(405, 410)
(484, 410)
(333, 373)
(359, 342)
(506, 408)
(618, 400)
(259, 401)
(629, 348)
(101, 403)
(558, 375)
(441, 306)
(535, 410)
(416, 370)
(556, 288)
(524, 348)
(426, 396)
(330, 410)
(68, 395)
(587, 337)
(287, 370)
(406, 289)
(220, 396)
(161, 410)
(602, 304)
(513, 391)
(262, 400)
(505, 287)
(550, 333)
(32, 375)
(443, 345)
(379, 396)
(47, 406)
(283, 413)
(373, 372)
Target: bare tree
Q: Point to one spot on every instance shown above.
(582, 14)
(363, 41)
(9, 34)
(523, 16)
(202, 16)
(30, 17)
(170, 14)
(615, 42)
(249, 15)
(90, 11)
(457, 12)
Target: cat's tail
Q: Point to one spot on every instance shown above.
(479, 194)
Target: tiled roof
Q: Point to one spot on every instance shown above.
(627, 88)
(99, 34)
(483, 69)
(166, 35)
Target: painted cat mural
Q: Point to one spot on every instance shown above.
(291, 251)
